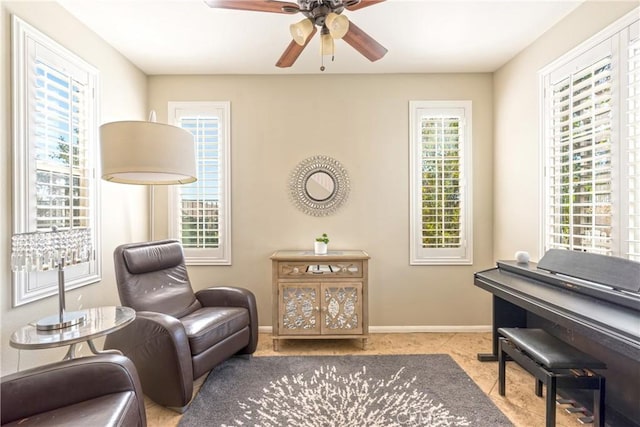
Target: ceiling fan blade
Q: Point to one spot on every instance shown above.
(255, 5)
(364, 43)
(293, 51)
(363, 3)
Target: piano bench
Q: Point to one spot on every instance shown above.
(553, 363)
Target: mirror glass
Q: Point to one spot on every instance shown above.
(320, 186)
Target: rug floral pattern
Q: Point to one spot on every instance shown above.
(326, 398)
(341, 391)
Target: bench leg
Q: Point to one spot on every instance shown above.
(501, 368)
(598, 404)
(538, 388)
(551, 401)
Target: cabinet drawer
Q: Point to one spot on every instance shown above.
(328, 269)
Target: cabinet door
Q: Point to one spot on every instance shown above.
(299, 309)
(341, 308)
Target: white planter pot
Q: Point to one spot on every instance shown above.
(320, 248)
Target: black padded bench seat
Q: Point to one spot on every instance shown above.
(553, 363)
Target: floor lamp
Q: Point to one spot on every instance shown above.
(137, 152)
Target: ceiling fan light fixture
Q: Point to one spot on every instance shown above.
(326, 45)
(338, 25)
(301, 31)
(323, 15)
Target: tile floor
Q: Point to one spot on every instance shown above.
(520, 404)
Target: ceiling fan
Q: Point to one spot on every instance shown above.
(324, 14)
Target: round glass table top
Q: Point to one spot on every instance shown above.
(99, 321)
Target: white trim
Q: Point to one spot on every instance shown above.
(29, 287)
(222, 255)
(444, 256)
(592, 41)
(542, 162)
(430, 329)
(612, 41)
(413, 329)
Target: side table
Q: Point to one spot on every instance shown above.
(320, 296)
(100, 321)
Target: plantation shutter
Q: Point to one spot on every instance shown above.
(441, 190)
(579, 205)
(200, 212)
(54, 152)
(200, 201)
(61, 97)
(440, 166)
(633, 143)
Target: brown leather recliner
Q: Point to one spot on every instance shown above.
(102, 390)
(178, 335)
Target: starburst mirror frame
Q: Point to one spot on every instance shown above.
(319, 185)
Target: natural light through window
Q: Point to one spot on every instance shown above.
(55, 152)
(591, 139)
(200, 211)
(440, 190)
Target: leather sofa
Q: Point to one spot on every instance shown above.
(178, 335)
(102, 390)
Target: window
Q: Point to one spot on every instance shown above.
(440, 150)
(591, 140)
(200, 212)
(55, 152)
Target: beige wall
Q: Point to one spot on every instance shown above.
(517, 210)
(277, 121)
(123, 90)
(362, 121)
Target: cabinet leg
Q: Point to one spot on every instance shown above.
(365, 343)
(276, 345)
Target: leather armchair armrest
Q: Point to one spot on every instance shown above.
(158, 346)
(65, 383)
(231, 296)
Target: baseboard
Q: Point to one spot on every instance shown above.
(413, 329)
(429, 328)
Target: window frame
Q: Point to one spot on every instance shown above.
(440, 256)
(612, 40)
(32, 286)
(222, 254)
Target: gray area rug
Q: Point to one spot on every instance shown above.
(341, 391)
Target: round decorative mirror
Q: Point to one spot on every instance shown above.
(319, 185)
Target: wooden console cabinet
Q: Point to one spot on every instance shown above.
(320, 296)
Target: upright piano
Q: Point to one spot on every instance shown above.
(590, 301)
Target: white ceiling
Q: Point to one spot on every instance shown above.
(422, 36)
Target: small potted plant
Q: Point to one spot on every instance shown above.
(320, 245)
